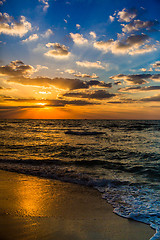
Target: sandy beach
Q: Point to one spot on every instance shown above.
(36, 208)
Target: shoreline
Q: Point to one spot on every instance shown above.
(40, 208)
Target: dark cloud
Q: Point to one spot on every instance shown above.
(137, 25)
(133, 79)
(18, 72)
(62, 103)
(151, 99)
(118, 83)
(62, 83)
(132, 45)
(93, 83)
(58, 50)
(138, 88)
(156, 77)
(156, 64)
(47, 103)
(116, 102)
(97, 94)
(16, 68)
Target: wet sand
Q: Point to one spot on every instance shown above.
(42, 209)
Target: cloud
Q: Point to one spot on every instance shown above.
(10, 27)
(40, 67)
(96, 94)
(78, 26)
(59, 51)
(2, 1)
(126, 15)
(47, 34)
(78, 38)
(151, 99)
(137, 78)
(93, 34)
(46, 4)
(111, 18)
(65, 21)
(156, 77)
(31, 38)
(136, 25)
(79, 74)
(96, 83)
(133, 79)
(118, 83)
(70, 71)
(16, 68)
(84, 75)
(61, 83)
(143, 70)
(88, 64)
(47, 103)
(138, 88)
(132, 45)
(156, 64)
(18, 72)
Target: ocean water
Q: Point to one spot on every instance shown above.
(120, 158)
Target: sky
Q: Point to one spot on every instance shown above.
(80, 59)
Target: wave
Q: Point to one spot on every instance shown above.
(83, 133)
(148, 172)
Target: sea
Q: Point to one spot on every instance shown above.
(119, 158)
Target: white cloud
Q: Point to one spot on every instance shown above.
(132, 45)
(10, 27)
(40, 67)
(93, 34)
(31, 38)
(78, 38)
(85, 75)
(87, 64)
(143, 70)
(46, 4)
(70, 71)
(126, 15)
(78, 26)
(79, 74)
(58, 50)
(111, 18)
(47, 34)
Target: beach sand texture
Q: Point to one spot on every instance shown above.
(42, 209)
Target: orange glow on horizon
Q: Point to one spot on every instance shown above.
(82, 112)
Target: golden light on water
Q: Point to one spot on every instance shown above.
(43, 92)
(41, 104)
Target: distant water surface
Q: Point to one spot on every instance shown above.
(121, 158)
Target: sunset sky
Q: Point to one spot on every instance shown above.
(80, 59)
